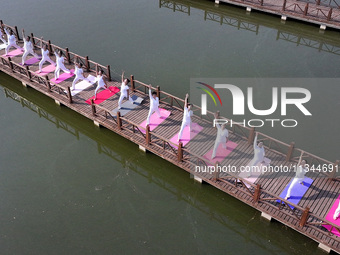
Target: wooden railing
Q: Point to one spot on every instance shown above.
(151, 140)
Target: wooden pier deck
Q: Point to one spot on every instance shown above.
(307, 217)
(322, 13)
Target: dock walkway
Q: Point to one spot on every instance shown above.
(307, 217)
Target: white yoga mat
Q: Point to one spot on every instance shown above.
(80, 86)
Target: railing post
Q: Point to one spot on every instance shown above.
(93, 106)
(304, 217)
(257, 193)
(32, 38)
(148, 135)
(70, 95)
(48, 85)
(50, 47)
(68, 55)
(87, 64)
(318, 2)
(261, 2)
(306, 9)
(290, 151)
(108, 72)
(10, 64)
(17, 33)
(132, 79)
(251, 136)
(180, 152)
(119, 121)
(158, 91)
(284, 5)
(28, 73)
(216, 174)
(329, 17)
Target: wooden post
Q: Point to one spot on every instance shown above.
(50, 47)
(17, 33)
(93, 107)
(68, 55)
(180, 152)
(48, 85)
(284, 5)
(261, 2)
(251, 136)
(148, 135)
(70, 95)
(290, 151)
(329, 17)
(216, 174)
(304, 217)
(10, 64)
(257, 193)
(306, 9)
(1, 23)
(87, 64)
(318, 2)
(108, 72)
(132, 79)
(119, 121)
(158, 91)
(32, 38)
(28, 73)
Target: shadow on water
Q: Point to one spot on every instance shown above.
(215, 205)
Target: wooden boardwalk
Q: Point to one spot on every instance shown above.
(307, 217)
(322, 13)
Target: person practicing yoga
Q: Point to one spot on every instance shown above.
(60, 64)
(79, 72)
(45, 55)
(101, 83)
(337, 212)
(154, 103)
(124, 91)
(11, 41)
(186, 117)
(28, 48)
(301, 170)
(258, 156)
(221, 137)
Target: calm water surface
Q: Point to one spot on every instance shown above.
(68, 187)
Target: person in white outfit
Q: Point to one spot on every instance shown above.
(221, 138)
(45, 56)
(258, 156)
(2, 36)
(101, 83)
(337, 212)
(154, 103)
(60, 64)
(12, 41)
(79, 72)
(301, 170)
(124, 91)
(186, 117)
(28, 48)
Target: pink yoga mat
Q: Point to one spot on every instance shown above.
(31, 61)
(63, 77)
(187, 136)
(254, 175)
(329, 217)
(103, 95)
(46, 70)
(221, 152)
(155, 121)
(13, 53)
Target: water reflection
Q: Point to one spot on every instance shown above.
(233, 17)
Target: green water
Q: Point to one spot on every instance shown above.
(68, 187)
